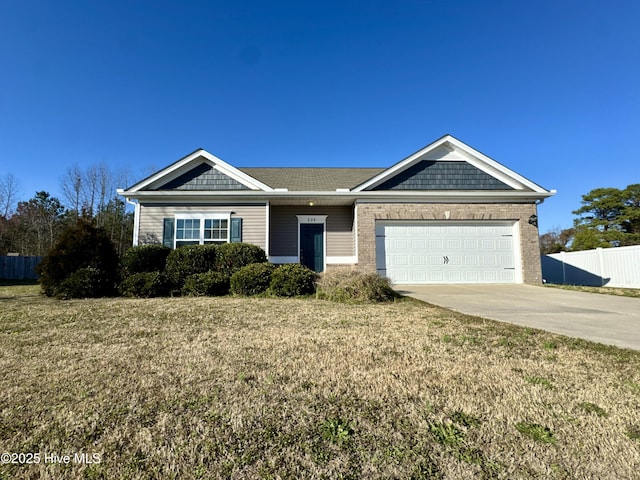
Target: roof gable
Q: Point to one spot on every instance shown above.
(203, 177)
(448, 164)
(199, 171)
(442, 175)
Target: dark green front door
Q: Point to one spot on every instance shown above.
(312, 246)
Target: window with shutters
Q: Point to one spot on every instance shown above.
(201, 229)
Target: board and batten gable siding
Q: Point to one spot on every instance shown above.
(284, 230)
(253, 216)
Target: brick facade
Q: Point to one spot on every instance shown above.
(368, 213)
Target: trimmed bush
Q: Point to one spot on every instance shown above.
(292, 280)
(354, 287)
(144, 285)
(144, 258)
(86, 282)
(206, 284)
(187, 260)
(231, 257)
(81, 246)
(252, 279)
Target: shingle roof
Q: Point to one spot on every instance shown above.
(312, 179)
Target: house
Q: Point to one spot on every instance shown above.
(445, 214)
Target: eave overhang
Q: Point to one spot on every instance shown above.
(337, 198)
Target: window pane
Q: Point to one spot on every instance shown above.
(188, 229)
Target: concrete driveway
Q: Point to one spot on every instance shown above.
(600, 318)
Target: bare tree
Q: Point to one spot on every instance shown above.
(72, 184)
(8, 194)
(90, 190)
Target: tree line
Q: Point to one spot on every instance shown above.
(608, 217)
(31, 227)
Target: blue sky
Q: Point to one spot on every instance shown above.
(551, 89)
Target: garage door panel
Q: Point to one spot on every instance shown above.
(418, 244)
(453, 245)
(467, 252)
(471, 260)
(470, 245)
(419, 260)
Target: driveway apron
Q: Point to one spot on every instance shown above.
(606, 319)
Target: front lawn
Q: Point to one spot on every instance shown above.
(302, 388)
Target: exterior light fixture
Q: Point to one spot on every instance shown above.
(533, 220)
(311, 203)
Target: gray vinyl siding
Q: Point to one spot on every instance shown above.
(284, 229)
(253, 220)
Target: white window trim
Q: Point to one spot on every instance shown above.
(202, 217)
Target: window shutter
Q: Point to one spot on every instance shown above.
(167, 232)
(236, 230)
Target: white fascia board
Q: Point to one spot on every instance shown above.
(481, 161)
(390, 196)
(165, 172)
(181, 166)
(401, 165)
(472, 196)
(236, 174)
(473, 156)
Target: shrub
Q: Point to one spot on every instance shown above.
(231, 257)
(293, 279)
(144, 285)
(208, 283)
(187, 260)
(81, 246)
(86, 282)
(144, 258)
(252, 279)
(349, 286)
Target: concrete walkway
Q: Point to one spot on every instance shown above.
(607, 319)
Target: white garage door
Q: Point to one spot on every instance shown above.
(446, 252)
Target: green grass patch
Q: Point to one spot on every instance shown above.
(545, 382)
(620, 292)
(537, 432)
(593, 408)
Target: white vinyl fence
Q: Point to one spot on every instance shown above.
(610, 267)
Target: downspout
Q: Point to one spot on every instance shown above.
(136, 220)
(268, 229)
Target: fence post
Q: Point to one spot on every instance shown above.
(601, 264)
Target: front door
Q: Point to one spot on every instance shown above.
(312, 246)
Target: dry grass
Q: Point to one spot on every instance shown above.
(621, 292)
(286, 388)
